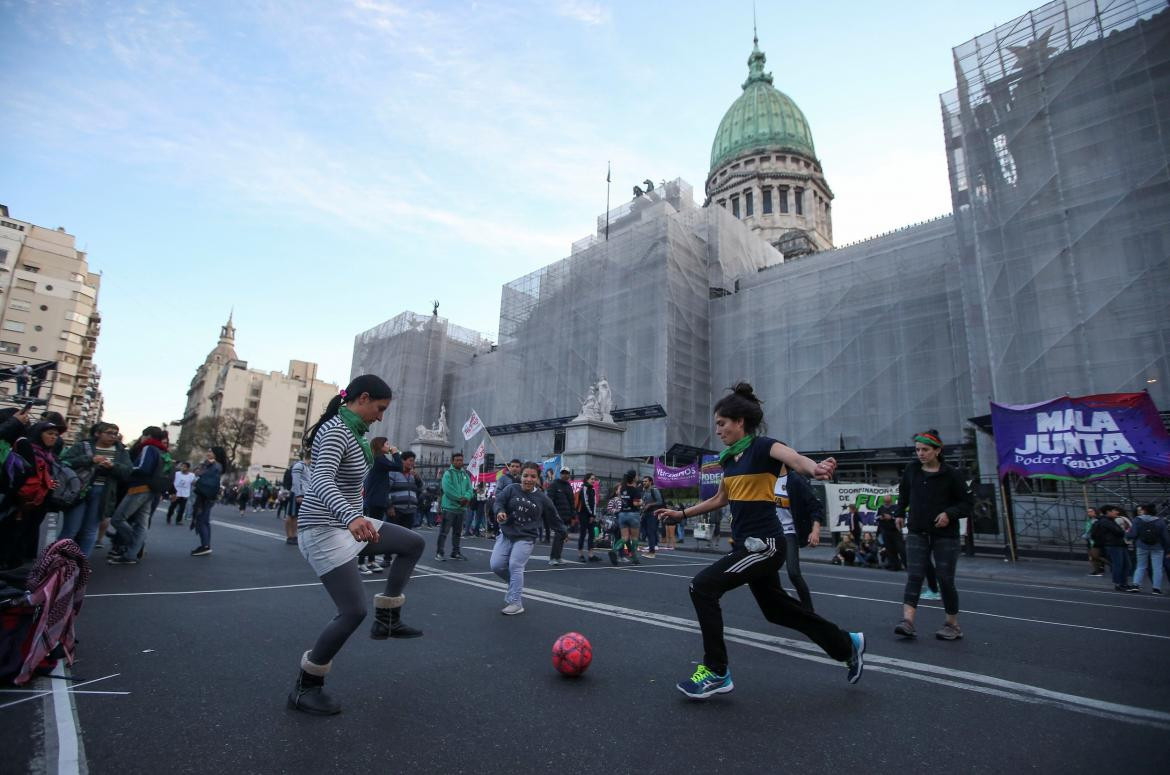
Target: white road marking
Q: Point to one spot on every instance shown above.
(968, 591)
(70, 753)
(50, 691)
(967, 611)
(974, 682)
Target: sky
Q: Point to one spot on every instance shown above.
(319, 167)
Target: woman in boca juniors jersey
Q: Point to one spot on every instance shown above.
(751, 464)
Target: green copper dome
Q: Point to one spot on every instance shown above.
(763, 117)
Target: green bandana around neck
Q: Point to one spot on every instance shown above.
(735, 449)
(358, 427)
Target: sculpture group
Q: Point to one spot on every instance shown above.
(597, 405)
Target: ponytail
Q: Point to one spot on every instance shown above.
(366, 384)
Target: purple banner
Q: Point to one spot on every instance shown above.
(710, 477)
(1082, 438)
(668, 476)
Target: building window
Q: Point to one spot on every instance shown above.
(253, 405)
(9, 347)
(48, 287)
(748, 204)
(20, 306)
(3, 256)
(783, 192)
(723, 203)
(38, 328)
(44, 308)
(32, 349)
(14, 325)
(25, 285)
(301, 411)
(798, 193)
(767, 203)
(735, 206)
(31, 268)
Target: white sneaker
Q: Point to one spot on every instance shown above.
(364, 570)
(374, 566)
(511, 609)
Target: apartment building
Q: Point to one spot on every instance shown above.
(49, 320)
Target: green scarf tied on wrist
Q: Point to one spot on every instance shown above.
(358, 428)
(735, 449)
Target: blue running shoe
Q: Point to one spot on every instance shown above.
(928, 595)
(704, 683)
(856, 662)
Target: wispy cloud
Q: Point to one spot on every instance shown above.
(584, 11)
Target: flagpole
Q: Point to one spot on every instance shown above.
(608, 176)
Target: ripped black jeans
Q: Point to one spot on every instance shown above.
(944, 550)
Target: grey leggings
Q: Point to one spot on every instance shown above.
(944, 550)
(792, 559)
(344, 585)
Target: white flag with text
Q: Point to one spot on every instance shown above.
(473, 426)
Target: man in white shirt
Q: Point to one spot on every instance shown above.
(183, 481)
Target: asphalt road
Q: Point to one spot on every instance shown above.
(184, 665)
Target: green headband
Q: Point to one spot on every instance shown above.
(929, 439)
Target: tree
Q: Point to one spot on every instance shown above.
(238, 431)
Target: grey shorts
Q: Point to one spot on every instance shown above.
(327, 548)
(630, 519)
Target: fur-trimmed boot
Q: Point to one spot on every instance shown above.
(388, 619)
(309, 694)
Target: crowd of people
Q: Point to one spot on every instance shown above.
(1132, 548)
(352, 505)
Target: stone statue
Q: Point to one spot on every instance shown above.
(438, 431)
(605, 400)
(598, 404)
(589, 407)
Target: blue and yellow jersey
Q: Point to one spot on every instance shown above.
(751, 490)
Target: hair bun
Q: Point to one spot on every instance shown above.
(745, 389)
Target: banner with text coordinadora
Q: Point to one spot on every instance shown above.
(867, 498)
(1082, 437)
(669, 476)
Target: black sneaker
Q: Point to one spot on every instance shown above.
(119, 559)
(594, 558)
(201, 551)
(613, 558)
(458, 557)
(440, 558)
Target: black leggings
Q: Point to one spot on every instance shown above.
(585, 532)
(344, 585)
(761, 572)
(792, 557)
(944, 550)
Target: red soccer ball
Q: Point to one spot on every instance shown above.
(572, 654)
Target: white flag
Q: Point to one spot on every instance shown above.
(477, 459)
(473, 426)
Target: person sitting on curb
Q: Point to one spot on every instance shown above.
(846, 550)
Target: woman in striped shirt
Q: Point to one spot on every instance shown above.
(332, 532)
(751, 465)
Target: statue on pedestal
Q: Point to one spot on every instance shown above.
(438, 431)
(598, 404)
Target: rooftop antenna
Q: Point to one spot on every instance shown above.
(755, 35)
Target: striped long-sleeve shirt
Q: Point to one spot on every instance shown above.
(334, 497)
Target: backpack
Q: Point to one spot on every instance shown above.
(164, 472)
(36, 480)
(67, 488)
(286, 481)
(1149, 532)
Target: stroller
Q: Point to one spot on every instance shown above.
(37, 613)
